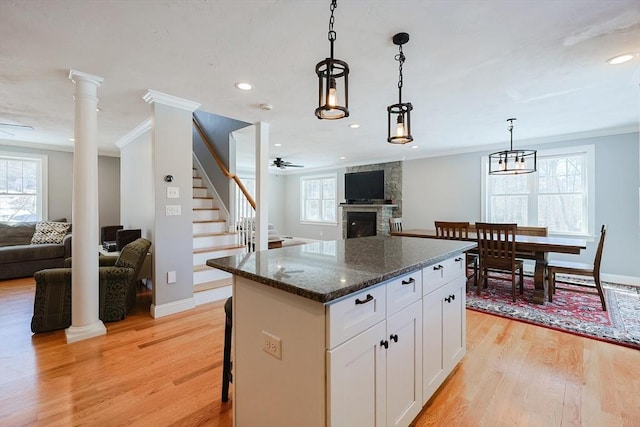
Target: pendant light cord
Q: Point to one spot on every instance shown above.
(400, 58)
(332, 33)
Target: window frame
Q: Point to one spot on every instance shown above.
(41, 161)
(303, 199)
(587, 150)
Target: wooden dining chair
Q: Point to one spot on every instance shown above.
(496, 253)
(459, 231)
(395, 224)
(580, 269)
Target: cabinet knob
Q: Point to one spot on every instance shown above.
(408, 282)
(384, 343)
(364, 301)
(438, 267)
(458, 259)
(450, 298)
(393, 337)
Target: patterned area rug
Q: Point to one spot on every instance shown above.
(573, 312)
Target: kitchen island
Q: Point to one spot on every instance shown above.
(352, 332)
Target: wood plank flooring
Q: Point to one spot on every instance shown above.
(167, 372)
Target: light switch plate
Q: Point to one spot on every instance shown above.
(173, 192)
(171, 277)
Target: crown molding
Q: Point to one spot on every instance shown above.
(79, 75)
(153, 96)
(138, 131)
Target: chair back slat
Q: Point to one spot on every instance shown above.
(395, 224)
(496, 245)
(452, 230)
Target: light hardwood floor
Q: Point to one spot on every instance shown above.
(166, 372)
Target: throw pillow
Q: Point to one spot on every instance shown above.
(50, 232)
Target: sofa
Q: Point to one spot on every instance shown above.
(19, 257)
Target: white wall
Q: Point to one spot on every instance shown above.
(448, 188)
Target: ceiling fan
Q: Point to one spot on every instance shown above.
(278, 162)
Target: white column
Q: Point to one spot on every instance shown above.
(262, 179)
(85, 322)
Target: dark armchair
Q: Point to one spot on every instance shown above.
(117, 293)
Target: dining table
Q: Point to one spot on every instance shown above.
(538, 246)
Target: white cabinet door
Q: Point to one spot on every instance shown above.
(404, 365)
(432, 361)
(454, 323)
(357, 380)
(443, 334)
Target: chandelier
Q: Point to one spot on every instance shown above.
(512, 162)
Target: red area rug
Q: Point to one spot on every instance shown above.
(573, 312)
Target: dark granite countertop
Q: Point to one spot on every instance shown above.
(326, 270)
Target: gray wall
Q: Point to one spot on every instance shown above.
(293, 227)
(60, 184)
(217, 129)
(173, 235)
(449, 188)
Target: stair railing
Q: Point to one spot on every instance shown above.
(245, 207)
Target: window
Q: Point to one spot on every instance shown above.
(22, 187)
(559, 196)
(318, 199)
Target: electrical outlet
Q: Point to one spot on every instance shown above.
(272, 345)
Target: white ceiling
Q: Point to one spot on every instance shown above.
(470, 65)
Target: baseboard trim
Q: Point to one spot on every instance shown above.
(212, 295)
(622, 280)
(172, 307)
(79, 333)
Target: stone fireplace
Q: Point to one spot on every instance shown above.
(380, 213)
(361, 224)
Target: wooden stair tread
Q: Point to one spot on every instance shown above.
(217, 248)
(214, 284)
(221, 233)
(204, 221)
(205, 209)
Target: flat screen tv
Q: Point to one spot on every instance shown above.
(364, 186)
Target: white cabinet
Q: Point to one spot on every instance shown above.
(443, 324)
(375, 377)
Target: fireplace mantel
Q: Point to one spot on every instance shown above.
(383, 213)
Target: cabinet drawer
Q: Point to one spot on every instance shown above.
(352, 315)
(403, 291)
(436, 275)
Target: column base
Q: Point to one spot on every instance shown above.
(79, 333)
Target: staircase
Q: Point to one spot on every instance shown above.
(211, 239)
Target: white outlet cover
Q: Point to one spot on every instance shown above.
(172, 210)
(272, 345)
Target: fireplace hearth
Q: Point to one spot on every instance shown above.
(361, 224)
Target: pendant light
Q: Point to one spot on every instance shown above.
(512, 162)
(399, 115)
(333, 81)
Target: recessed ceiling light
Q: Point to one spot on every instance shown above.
(244, 86)
(620, 59)
(277, 145)
(414, 146)
(343, 158)
(72, 139)
(354, 126)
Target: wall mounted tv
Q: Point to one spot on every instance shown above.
(364, 187)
